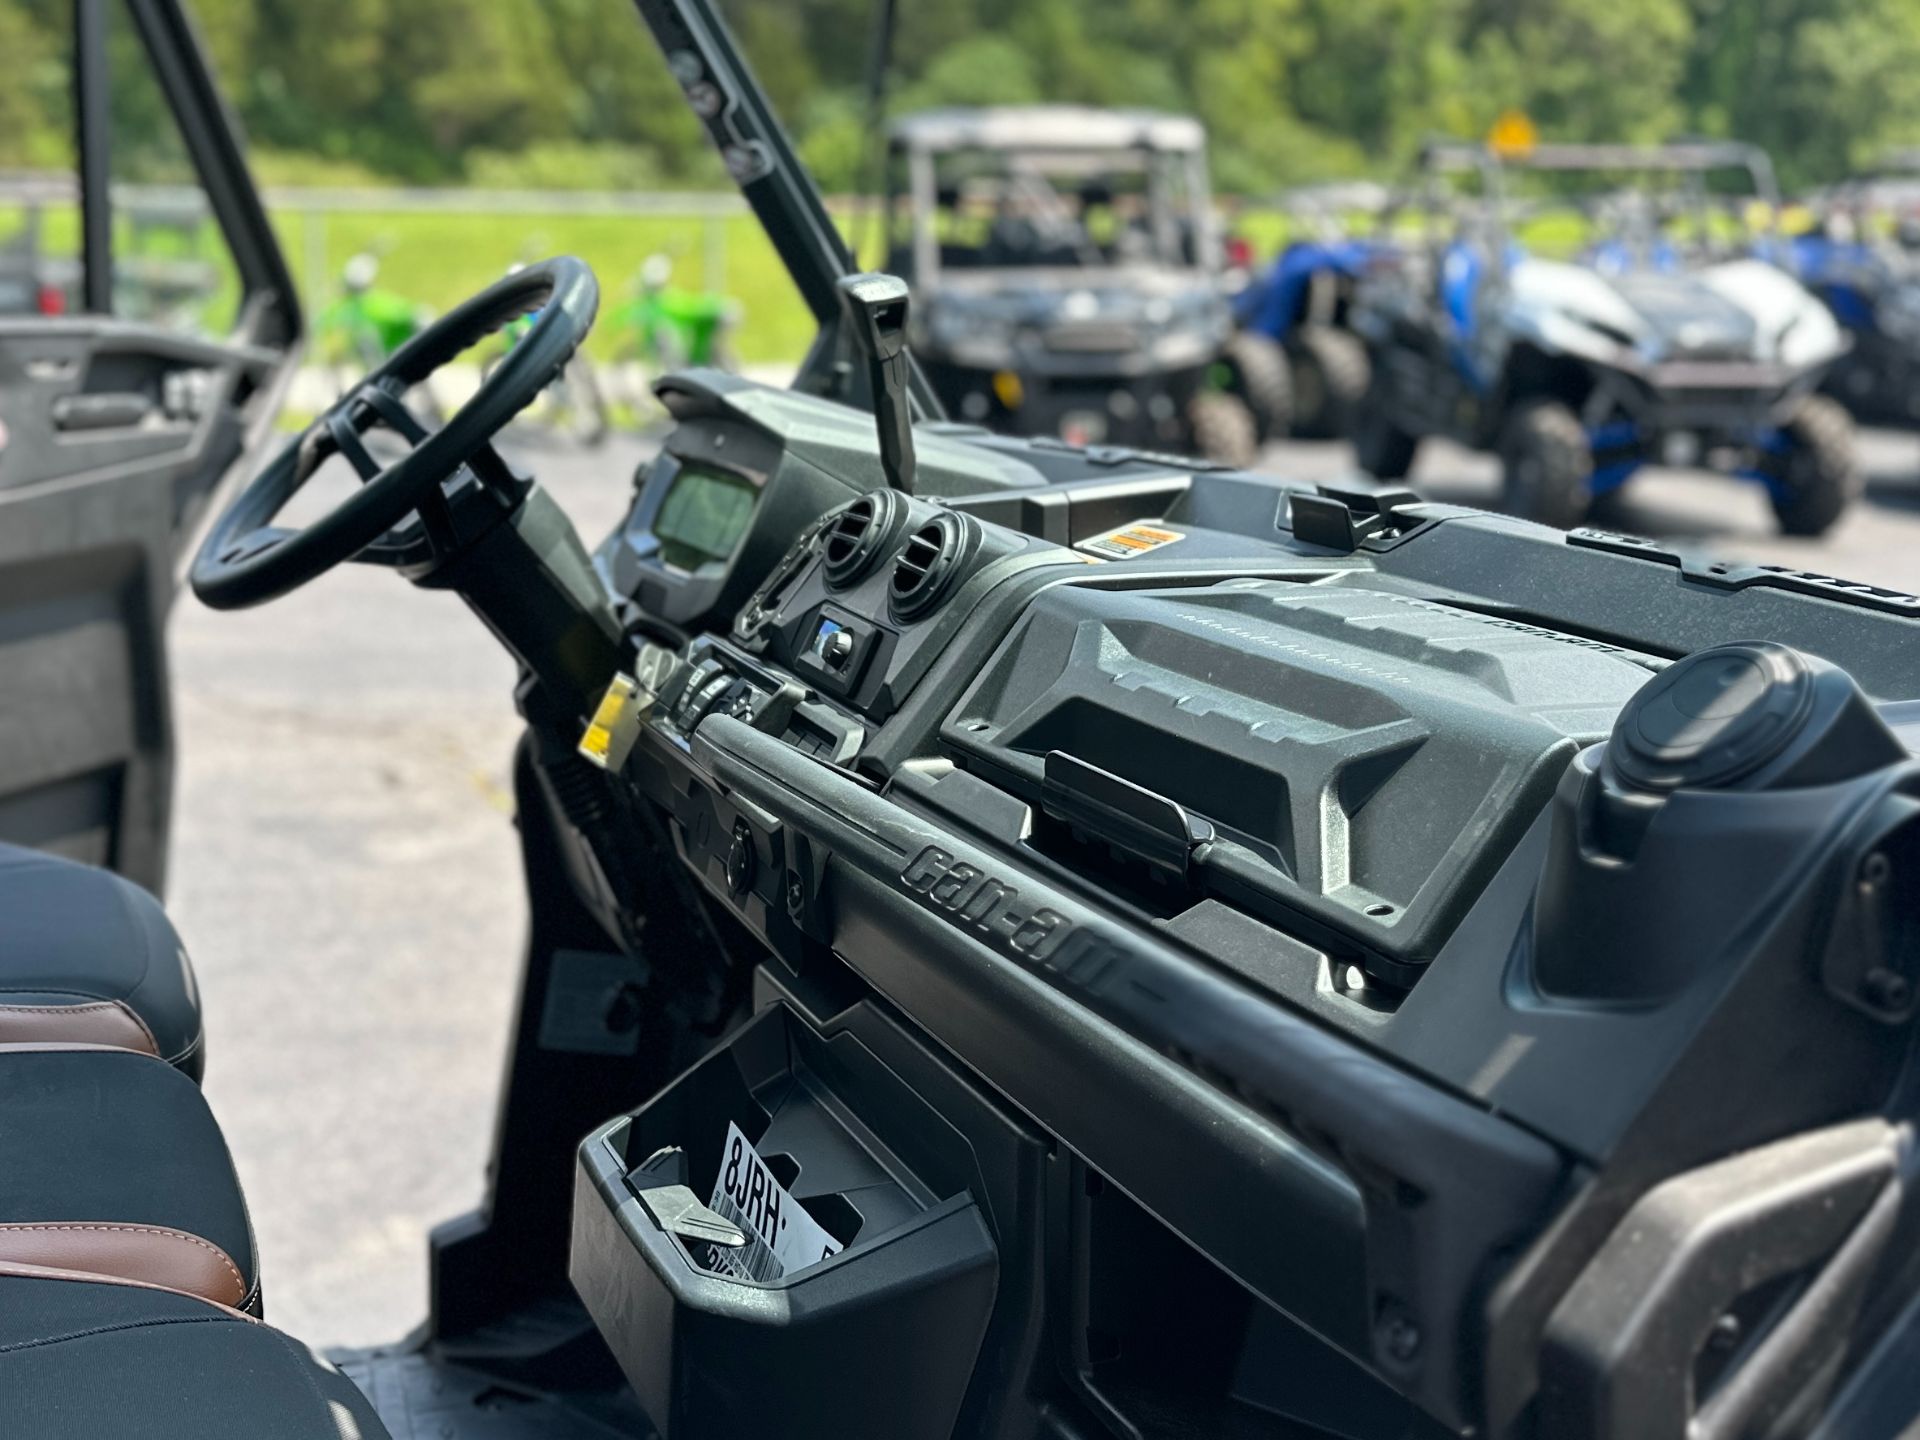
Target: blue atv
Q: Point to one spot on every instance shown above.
(1658, 344)
(1301, 302)
(1873, 290)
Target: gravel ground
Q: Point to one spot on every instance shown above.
(347, 878)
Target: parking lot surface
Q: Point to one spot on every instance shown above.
(346, 872)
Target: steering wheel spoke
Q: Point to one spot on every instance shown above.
(437, 522)
(385, 396)
(346, 439)
(493, 472)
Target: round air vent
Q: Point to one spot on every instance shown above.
(857, 536)
(927, 564)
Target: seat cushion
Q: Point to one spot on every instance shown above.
(87, 956)
(114, 1362)
(111, 1162)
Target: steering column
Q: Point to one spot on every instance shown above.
(450, 513)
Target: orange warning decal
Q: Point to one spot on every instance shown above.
(1130, 540)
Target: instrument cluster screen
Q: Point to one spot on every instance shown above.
(703, 516)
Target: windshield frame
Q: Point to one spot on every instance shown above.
(731, 105)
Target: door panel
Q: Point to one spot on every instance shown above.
(116, 435)
(85, 397)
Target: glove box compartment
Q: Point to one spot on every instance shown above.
(878, 1339)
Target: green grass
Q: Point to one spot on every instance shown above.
(439, 259)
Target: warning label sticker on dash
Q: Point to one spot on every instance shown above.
(1130, 540)
(781, 1236)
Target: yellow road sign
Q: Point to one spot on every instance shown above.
(1513, 134)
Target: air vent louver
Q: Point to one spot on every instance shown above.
(855, 537)
(927, 564)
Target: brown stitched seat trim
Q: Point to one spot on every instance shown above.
(23, 1271)
(102, 1022)
(146, 1254)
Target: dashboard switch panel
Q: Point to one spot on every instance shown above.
(837, 650)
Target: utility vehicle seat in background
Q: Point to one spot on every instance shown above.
(87, 957)
(113, 1362)
(111, 1163)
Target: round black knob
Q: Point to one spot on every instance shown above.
(1713, 717)
(740, 859)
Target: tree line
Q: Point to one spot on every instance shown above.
(573, 92)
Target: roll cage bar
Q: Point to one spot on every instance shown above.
(1689, 157)
(1046, 127)
(270, 308)
(917, 143)
(1694, 159)
(1896, 168)
(720, 89)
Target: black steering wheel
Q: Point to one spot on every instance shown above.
(247, 559)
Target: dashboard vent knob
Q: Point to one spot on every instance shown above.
(858, 535)
(927, 564)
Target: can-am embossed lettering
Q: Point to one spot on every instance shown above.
(991, 906)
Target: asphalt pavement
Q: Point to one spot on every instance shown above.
(346, 873)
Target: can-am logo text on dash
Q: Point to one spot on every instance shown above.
(1034, 934)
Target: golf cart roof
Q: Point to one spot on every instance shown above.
(1046, 127)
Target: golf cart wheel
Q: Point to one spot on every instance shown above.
(1329, 371)
(1221, 427)
(1260, 381)
(1818, 476)
(1381, 447)
(1547, 464)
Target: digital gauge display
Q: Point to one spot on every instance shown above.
(702, 516)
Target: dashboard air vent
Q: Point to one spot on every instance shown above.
(928, 563)
(855, 538)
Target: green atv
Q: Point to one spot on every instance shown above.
(365, 326)
(662, 329)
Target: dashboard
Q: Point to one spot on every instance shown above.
(1268, 860)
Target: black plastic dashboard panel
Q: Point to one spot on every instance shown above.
(1364, 757)
(802, 457)
(1646, 598)
(1259, 873)
(968, 944)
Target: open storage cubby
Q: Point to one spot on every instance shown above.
(879, 1339)
(1168, 1346)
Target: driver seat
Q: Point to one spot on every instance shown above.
(116, 1360)
(87, 958)
(112, 1164)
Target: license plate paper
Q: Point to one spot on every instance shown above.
(781, 1236)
